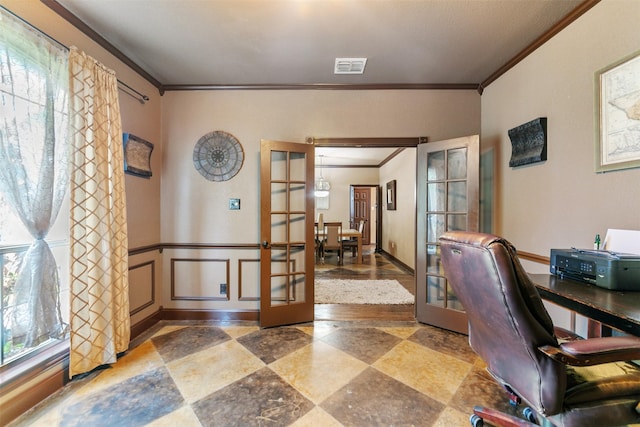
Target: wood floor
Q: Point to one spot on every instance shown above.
(374, 266)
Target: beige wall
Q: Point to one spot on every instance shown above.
(195, 210)
(399, 226)
(561, 202)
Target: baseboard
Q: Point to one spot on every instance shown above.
(397, 262)
(180, 314)
(146, 323)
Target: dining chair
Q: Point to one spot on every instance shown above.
(352, 242)
(319, 235)
(333, 234)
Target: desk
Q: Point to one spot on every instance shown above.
(349, 233)
(620, 310)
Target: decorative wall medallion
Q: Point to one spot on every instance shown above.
(218, 156)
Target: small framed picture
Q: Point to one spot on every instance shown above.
(391, 195)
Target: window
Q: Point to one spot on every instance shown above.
(33, 190)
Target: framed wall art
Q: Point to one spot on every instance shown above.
(137, 155)
(391, 195)
(618, 115)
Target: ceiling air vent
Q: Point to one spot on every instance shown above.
(350, 65)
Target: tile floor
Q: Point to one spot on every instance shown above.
(318, 374)
(373, 372)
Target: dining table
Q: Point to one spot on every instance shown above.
(348, 233)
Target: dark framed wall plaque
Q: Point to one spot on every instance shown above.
(529, 142)
(137, 155)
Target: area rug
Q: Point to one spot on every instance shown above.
(338, 291)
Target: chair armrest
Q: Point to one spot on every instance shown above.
(595, 351)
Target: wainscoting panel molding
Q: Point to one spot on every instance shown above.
(200, 279)
(142, 279)
(248, 280)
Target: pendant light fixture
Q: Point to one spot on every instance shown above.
(322, 186)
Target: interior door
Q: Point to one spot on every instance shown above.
(286, 233)
(447, 199)
(361, 210)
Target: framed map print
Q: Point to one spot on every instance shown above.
(618, 115)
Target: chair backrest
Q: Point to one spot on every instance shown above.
(320, 227)
(507, 320)
(333, 233)
(361, 226)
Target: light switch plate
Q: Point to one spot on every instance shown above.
(234, 204)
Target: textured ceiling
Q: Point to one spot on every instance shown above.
(248, 42)
(295, 42)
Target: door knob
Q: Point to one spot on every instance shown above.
(265, 244)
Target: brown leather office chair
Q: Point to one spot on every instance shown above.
(568, 383)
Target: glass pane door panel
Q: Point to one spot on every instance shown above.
(453, 302)
(279, 261)
(436, 287)
(296, 289)
(435, 197)
(297, 195)
(435, 227)
(297, 256)
(457, 163)
(435, 166)
(278, 165)
(297, 228)
(279, 228)
(278, 197)
(297, 164)
(457, 196)
(434, 266)
(279, 290)
(457, 222)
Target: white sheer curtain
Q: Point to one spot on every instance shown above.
(33, 168)
(99, 249)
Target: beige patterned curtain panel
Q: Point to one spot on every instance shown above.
(100, 325)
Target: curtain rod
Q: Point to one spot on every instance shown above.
(142, 98)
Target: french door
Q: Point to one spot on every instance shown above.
(447, 199)
(286, 233)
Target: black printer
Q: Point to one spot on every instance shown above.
(610, 270)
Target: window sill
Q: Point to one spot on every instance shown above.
(23, 370)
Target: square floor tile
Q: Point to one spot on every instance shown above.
(211, 369)
(447, 342)
(318, 370)
(260, 399)
(435, 374)
(179, 343)
(367, 344)
(133, 402)
(271, 344)
(375, 399)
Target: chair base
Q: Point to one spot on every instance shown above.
(496, 418)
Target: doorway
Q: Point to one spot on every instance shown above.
(365, 201)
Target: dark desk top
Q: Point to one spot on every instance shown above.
(620, 310)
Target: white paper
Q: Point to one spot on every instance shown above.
(622, 241)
